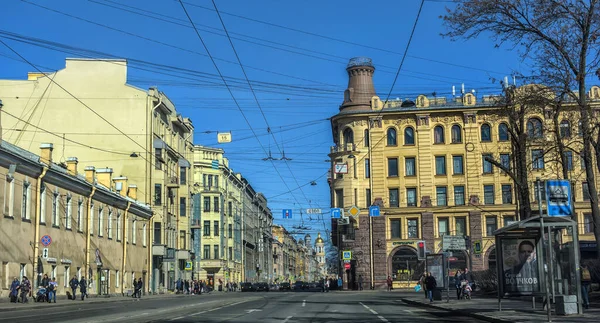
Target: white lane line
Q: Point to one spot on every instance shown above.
(382, 318)
(372, 311)
(177, 318)
(287, 319)
(303, 303)
(220, 307)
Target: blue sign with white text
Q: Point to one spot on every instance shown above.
(287, 213)
(336, 213)
(558, 197)
(374, 210)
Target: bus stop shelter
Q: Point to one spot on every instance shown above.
(539, 257)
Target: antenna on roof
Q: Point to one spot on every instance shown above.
(453, 90)
(505, 82)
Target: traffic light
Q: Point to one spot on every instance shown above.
(421, 250)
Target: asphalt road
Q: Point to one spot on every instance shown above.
(281, 307)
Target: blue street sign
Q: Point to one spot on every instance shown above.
(336, 213)
(373, 210)
(287, 213)
(215, 164)
(558, 197)
(46, 240)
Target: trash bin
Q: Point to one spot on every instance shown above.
(220, 288)
(566, 304)
(437, 294)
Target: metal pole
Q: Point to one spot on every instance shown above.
(448, 280)
(370, 153)
(541, 250)
(576, 266)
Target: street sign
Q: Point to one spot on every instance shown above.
(188, 265)
(223, 137)
(558, 197)
(45, 253)
(46, 240)
(347, 266)
(453, 243)
(354, 210)
(215, 164)
(313, 211)
(287, 213)
(347, 255)
(336, 213)
(341, 168)
(452, 259)
(373, 210)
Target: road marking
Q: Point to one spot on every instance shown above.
(372, 311)
(303, 303)
(253, 310)
(382, 318)
(287, 319)
(177, 318)
(220, 307)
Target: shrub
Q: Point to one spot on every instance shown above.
(486, 280)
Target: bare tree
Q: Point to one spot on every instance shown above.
(568, 27)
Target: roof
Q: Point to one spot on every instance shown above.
(531, 226)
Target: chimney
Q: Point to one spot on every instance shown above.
(360, 85)
(46, 153)
(105, 177)
(90, 174)
(72, 165)
(121, 185)
(132, 191)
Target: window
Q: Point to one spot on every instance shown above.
(368, 197)
(411, 197)
(25, 203)
(413, 228)
(206, 228)
(440, 165)
(486, 132)
(91, 215)
(119, 228)
(460, 225)
(392, 167)
(582, 161)
(182, 206)
(230, 231)
(157, 158)
(588, 224)
(394, 197)
(506, 194)
(537, 158)
(216, 251)
(216, 203)
(503, 132)
(438, 135)
(395, 228)
(459, 195)
(586, 191)
(206, 252)
(488, 194)
(100, 221)
(367, 168)
(230, 253)
(487, 166)
(443, 228)
(339, 197)
(535, 190)
(216, 181)
(508, 219)
(491, 225)
(157, 194)
(144, 235)
(182, 175)
(134, 231)
(366, 138)
(569, 158)
(505, 161)
(182, 240)
(117, 279)
(534, 128)
(206, 204)
(456, 134)
(391, 137)
(109, 224)
(410, 166)
(55, 210)
(69, 213)
(43, 203)
(216, 228)
(441, 195)
(457, 165)
(348, 136)
(230, 208)
(80, 215)
(409, 136)
(157, 232)
(565, 129)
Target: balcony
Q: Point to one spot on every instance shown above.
(195, 224)
(172, 182)
(210, 189)
(345, 149)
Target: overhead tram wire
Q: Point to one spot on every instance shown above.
(232, 95)
(257, 102)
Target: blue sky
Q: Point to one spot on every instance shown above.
(295, 54)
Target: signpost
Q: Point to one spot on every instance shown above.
(558, 197)
(354, 210)
(347, 255)
(313, 211)
(347, 265)
(287, 213)
(341, 168)
(374, 210)
(45, 253)
(453, 243)
(46, 240)
(336, 213)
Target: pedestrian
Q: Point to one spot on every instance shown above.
(45, 282)
(326, 285)
(25, 288)
(360, 282)
(139, 286)
(339, 283)
(389, 283)
(422, 282)
(431, 284)
(52, 289)
(83, 287)
(74, 283)
(586, 281)
(14, 290)
(457, 283)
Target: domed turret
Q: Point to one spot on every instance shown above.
(319, 239)
(360, 89)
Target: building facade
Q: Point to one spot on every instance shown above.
(153, 146)
(63, 224)
(321, 258)
(424, 163)
(257, 237)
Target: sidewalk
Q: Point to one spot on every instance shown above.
(486, 309)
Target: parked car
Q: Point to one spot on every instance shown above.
(248, 287)
(285, 286)
(262, 287)
(274, 287)
(300, 285)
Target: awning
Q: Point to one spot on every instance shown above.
(159, 143)
(184, 163)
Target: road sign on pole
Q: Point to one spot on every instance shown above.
(347, 255)
(287, 213)
(374, 210)
(45, 253)
(347, 266)
(46, 240)
(354, 210)
(313, 211)
(558, 197)
(336, 213)
(453, 243)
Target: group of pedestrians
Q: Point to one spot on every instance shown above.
(19, 290)
(463, 281)
(428, 284)
(194, 287)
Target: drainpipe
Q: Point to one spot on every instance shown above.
(38, 211)
(87, 232)
(124, 243)
(149, 170)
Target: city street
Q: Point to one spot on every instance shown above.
(265, 307)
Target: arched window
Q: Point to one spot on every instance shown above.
(438, 135)
(348, 139)
(534, 128)
(456, 134)
(503, 132)
(366, 141)
(409, 136)
(565, 129)
(391, 137)
(486, 132)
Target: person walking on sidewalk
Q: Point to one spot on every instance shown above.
(25, 288)
(52, 287)
(14, 290)
(360, 282)
(586, 281)
(138, 288)
(422, 282)
(389, 284)
(431, 284)
(83, 287)
(74, 283)
(457, 283)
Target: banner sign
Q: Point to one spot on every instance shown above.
(520, 271)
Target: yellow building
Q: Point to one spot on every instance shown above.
(79, 110)
(63, 224)
(423, 162)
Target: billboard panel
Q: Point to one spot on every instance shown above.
(520, 271)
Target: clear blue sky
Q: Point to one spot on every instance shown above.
(300, 70)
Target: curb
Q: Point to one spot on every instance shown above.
(473, 315)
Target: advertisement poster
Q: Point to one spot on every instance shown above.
(435, 265)
(520, 267)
